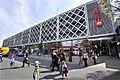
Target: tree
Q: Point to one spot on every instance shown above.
(40, 46)
(27, 47)
(56, 45)
(86, 43)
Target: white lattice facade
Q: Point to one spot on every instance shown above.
(77, 23)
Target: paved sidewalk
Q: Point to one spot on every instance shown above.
(107, 69)
(17, 73)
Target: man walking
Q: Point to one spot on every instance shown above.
(26, 55)
(55, 61)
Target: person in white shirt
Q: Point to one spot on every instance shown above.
(94, 56)
(64, 70)
(85, 57)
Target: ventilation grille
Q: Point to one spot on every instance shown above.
(48, 31)
(72, 24)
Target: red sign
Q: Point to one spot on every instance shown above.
(97, 15)
(99, 23)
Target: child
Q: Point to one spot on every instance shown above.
(12, 63)
(64, 69)
(36, 72)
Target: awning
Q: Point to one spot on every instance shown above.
(102, 38)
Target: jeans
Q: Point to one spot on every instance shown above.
(1, 58)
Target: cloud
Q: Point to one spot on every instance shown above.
(10, 15)
(17, 15)
(9, 18)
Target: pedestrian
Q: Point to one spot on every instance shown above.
(96, 50)
(94, 56)
(1, 53)
(70, 56)
(12, 62)
(64, 70)
(32, 50)
(80, 57)
(26, 55)
(36, 73)
(54, 61)
(62, 58)
(85, 57)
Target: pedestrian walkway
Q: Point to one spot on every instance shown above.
(17, 73)
(107, 69)
(111, 61)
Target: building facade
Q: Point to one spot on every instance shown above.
(78, 23)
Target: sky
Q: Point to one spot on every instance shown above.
(18, 15)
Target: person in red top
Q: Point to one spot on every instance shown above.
(70, 56)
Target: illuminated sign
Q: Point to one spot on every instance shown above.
(99, 23)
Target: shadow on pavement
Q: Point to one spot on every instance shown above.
(72, 78)
(111, 62)
(95, 76)
(49, 76)
(114, 76)
(47, 71)
(10, 68)
(46, 67)
(62, 79)
(101, 75)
